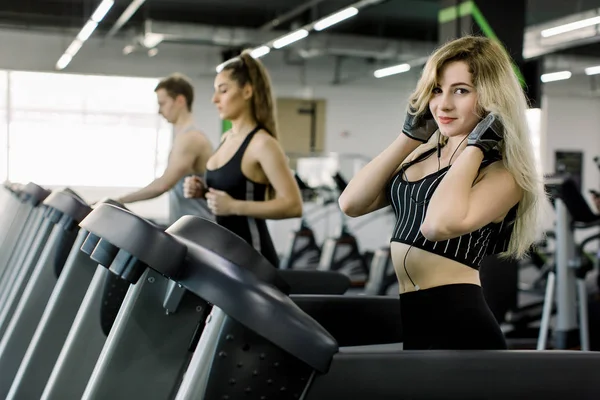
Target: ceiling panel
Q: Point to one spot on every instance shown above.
(392, 19)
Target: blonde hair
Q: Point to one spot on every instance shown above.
(499, 91)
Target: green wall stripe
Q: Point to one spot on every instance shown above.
(453, 12)
(447, 14)
(466, 8)
(225, 126)
(489, 32)
(470, 8)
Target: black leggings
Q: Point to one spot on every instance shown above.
(449, 317)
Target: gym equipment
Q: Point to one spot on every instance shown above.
(140, 339)
(259, 343)
(568, 276)
(95, 316)
(302, 251)
(23, 235)
(20, 268)
(66, 212)
(513, 308)
(22, 212)
(341, 253)
(142, 323)
(382, 276)
(9, 204)
(58, 316)
(92, 323)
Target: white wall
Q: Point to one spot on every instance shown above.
(572, 123)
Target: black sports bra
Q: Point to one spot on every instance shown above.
(410, 200)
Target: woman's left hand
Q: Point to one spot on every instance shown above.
(487, 134)
(220, 203)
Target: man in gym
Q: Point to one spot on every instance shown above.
(189, 152)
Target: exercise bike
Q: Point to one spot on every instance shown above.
(302, 251)
(568, 277)
(342, 253)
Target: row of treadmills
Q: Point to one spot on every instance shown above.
(103, 304)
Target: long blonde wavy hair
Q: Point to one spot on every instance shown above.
(499, 91)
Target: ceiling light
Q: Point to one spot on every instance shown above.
(291, 38)
(85, 33)
(335, 18)
(592, 70)
(87, 30)
(74, 47)
(396, 69)
(63, 61)
(260, 51)
(571, 26)
(102, 10)
(555, 76)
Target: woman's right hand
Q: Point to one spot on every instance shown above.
(420, 127)
(194, 187)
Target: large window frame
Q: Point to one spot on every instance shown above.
(81, 130)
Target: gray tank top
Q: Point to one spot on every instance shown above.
(180, 206)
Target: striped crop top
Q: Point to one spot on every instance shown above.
(410, 199)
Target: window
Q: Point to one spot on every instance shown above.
(82, 130)
(3, 146)
(81, 150)
(534, 120)
(46, 91)
(3, 128)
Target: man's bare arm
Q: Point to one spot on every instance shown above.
(181, 163)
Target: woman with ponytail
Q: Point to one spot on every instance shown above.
(248, 179)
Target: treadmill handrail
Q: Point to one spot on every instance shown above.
(35, 192)
(152, 245)
(257, 305)
(68, 204)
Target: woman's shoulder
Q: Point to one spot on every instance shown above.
(262, 142)
(263, 138)
(225, 135)
(493, 167)
(420, 151)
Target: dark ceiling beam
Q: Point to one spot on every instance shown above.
(125, 17)
(293, 13)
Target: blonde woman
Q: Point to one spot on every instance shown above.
(463, 183)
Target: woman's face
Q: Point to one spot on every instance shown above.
(231, 99)
(453, 102)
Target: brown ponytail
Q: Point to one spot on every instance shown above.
(246, 69)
